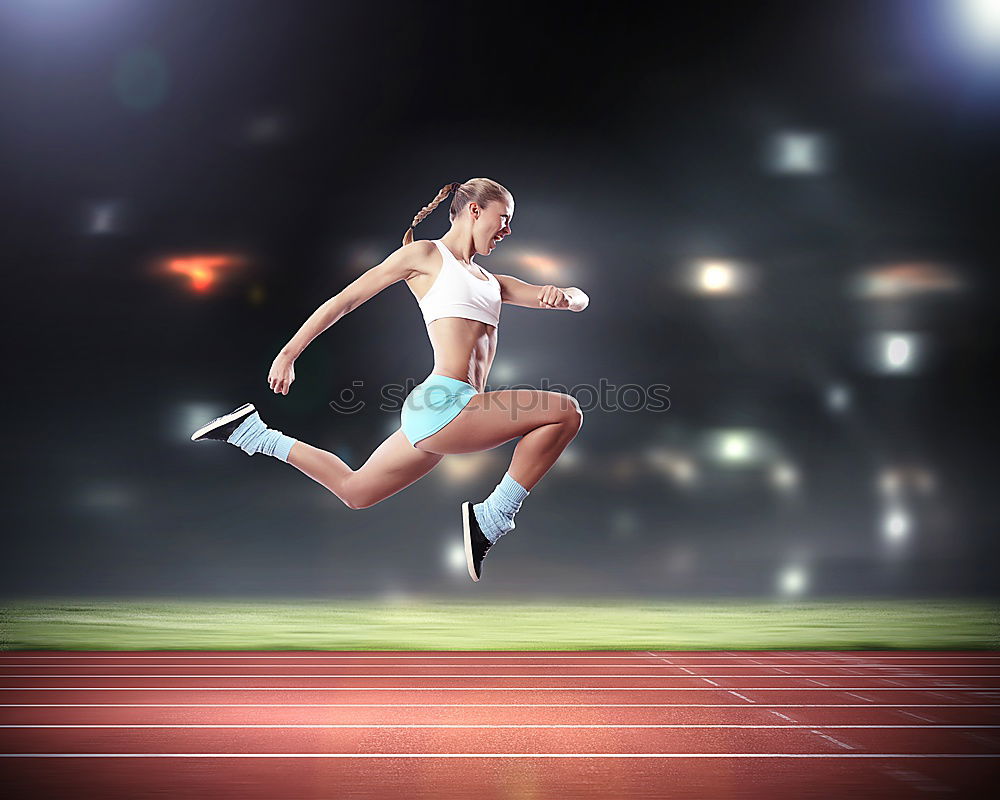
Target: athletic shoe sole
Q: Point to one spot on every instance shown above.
(243, 410)
(466, 511)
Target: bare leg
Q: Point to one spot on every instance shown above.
(393, 466)
(546, 422)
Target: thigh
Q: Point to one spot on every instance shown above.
(492, 418)
(394, 465)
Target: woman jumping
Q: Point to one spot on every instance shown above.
(449, 412)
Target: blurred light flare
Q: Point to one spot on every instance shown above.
(717, 277)
(541, 266)
(793, 580)
(460, 469)
(893, 481)
(904, 280)
(455, 555)
(896, 524)
(504, 370)
(188, 417)
(737, 446)
(798, 153)
(838, 397)
(896, 352)
(202, 271)
(976, 24)
(104, 217)
(673, 464)
(785, 477)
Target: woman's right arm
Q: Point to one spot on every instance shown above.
(402, 264)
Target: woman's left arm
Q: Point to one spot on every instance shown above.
(518, 293)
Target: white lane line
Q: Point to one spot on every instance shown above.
(711, 682)
(500, 755)
(868, 699)
(112, 676)
(918, 716)
(782, 716)
(340, 654)
(843, 689)
(489, 705)
(818, 683)
(811, 728)
(742, 697)
(835, 741)
(334, 665)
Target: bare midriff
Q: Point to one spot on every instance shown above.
(463, 349)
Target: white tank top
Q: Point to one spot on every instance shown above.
(456, 292)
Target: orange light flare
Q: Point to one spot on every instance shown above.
(543, 267)
(203, 271)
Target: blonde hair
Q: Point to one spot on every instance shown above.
(475, 190)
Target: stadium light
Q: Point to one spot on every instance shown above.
(896, 524)
(717, 278)
(735, 447)
(895, 352)
(792, 580)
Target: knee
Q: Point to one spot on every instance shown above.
(355, 498)
(358, 503)
(572, 413)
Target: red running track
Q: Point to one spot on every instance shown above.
(500, 725)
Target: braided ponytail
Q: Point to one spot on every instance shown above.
(476, 190)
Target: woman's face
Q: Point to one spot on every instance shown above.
(494, 225)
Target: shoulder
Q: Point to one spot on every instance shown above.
(410, 260)
(423, 255)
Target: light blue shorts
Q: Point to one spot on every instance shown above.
(433, 404)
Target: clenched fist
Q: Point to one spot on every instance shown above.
(282, 374)
(552, 297)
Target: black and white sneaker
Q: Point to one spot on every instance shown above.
(222, 427)
(476, 543)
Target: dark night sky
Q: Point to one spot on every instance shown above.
(305, 136)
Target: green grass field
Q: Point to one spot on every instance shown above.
(427, 624)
